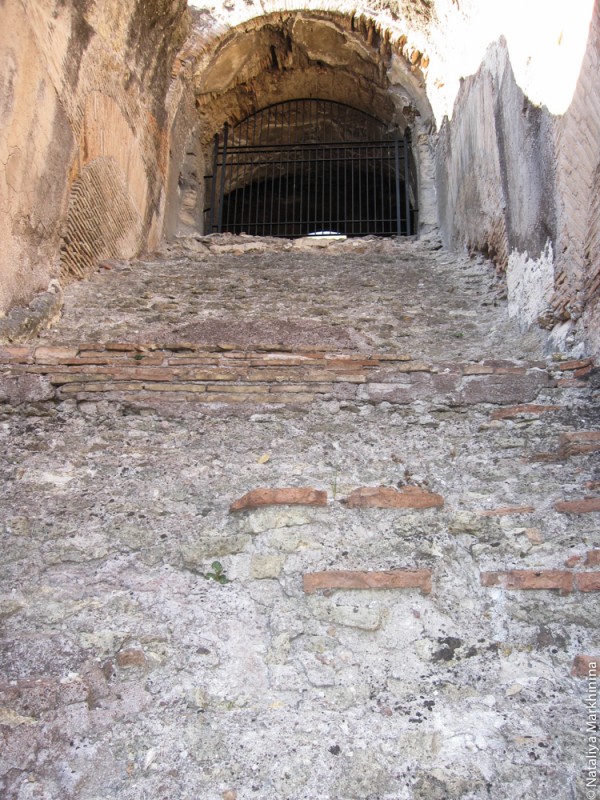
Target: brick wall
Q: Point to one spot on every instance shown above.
(511, 177)
(578, 171)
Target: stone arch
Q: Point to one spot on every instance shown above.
(321, 53)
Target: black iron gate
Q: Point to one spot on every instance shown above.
(311, 167)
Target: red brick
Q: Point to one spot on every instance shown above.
(393, 357)
(89, 361)
(498, 363)
(588, 581)
(176, 347)
(477, 369)
(387, 579)
(570, 383)
(583, 506)
(501, 512)
(16, 355)
(567, 366)
(585, 666)
(193, 361)
(573, 561)
(55, 355)
(212, 374)
(581, 373)
(526, 408)
(280, 497)
(388, 497)
(530, 579)
(94, 347)
(548, 458)
(510, 370)
(592, 485)
(580, 442)
(117, 373)
(592, 558)
(123, 347)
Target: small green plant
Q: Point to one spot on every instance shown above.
(217, 575)
(334, 484)
(138, 356)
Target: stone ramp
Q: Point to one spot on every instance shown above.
(380, 296)
(384, 587)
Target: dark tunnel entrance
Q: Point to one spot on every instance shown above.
(312, 166)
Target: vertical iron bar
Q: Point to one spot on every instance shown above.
(222, 186)
(337, 189)
(213, 186)
(406, 185)
(397, 165)
(323, 192)
(345, 206)
(374, 220)
(301, 145)
(251, 185)
(272, 184)
(352, 185)
(359, 191)
(287, 169)
(244, 166)
(237, 177)
(366, 232)
(389, 172)
(382, 192)
(259, 123)
(279, 189)
(316, 206)
(265, 183)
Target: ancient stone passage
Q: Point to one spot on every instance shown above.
(307, 520)
(311, 166)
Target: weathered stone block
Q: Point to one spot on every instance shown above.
(418, 388)
(503, 389)
(388, 579)
(263, 567)
(18, 389)
(506, 510)
(527, 408)
(208, 547)
(131, 657)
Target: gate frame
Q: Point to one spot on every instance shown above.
(403, 168)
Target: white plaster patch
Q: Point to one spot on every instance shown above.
(530, 284)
